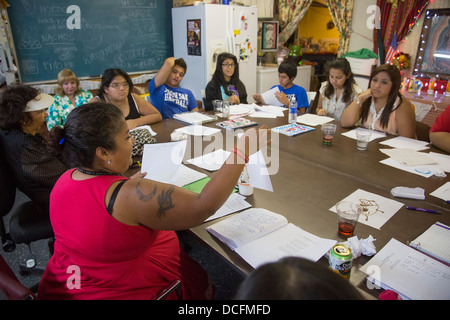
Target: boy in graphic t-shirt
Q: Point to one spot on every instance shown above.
(287, 72)
(165, 92)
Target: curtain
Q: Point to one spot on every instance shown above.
(398, 17)
(291, 12)
(342, 14)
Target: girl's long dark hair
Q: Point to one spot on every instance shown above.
(343, 65)
(218, 74)
(395, 77)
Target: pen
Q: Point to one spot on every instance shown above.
(421, 209)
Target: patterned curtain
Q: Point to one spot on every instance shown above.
(396, 17)
(342, 14)
(291, 12)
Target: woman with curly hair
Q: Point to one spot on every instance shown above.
(23, 111)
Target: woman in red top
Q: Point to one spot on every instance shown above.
(440, 131)
(114, 237)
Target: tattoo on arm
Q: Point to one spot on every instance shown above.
(165, 201)
(142, 196)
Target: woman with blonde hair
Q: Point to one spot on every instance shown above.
(68, 96)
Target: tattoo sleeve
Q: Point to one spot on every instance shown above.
(142, 196)
(165, 201)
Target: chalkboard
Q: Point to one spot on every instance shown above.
(89, 36)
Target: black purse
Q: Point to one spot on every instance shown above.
(141, 137)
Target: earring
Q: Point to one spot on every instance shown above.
(109, 161)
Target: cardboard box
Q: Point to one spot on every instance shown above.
(182, 3)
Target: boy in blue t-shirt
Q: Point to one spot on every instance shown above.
(165, 92)
(286, 74)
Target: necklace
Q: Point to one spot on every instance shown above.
(97, 173)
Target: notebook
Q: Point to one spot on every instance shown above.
(435, 241)
(194, 117)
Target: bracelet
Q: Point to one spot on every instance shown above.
(240, 154)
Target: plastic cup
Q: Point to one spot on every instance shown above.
(328, 130)
(347, 215)
(362, 139)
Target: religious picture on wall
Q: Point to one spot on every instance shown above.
(194, 37)
(434, 51)
(269, 36)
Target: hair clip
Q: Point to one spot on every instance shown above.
(61, 141)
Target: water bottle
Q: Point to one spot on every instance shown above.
(293, 111)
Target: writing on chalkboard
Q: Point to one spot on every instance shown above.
(89, 37)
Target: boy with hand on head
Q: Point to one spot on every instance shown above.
(165, 91)
(286, 75)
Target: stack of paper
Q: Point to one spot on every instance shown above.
(313, 119)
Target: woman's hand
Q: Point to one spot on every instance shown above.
(234, 99)
(321, 112)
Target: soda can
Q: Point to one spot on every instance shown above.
(340, 260)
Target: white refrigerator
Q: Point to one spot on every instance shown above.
(201, 33)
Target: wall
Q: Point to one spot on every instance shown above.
(314, 24)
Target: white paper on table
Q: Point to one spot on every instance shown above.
(198, 130)
(313, 119)
(147, 127)
(375, 134)
(162, 160)
(442, 159)
(409, 157)
(241, 109)
(424, 171)
(258, 173)
(406, 143)
(443, 192)
(270, 99)
(278, 111)
(186, 175)
(211, 161)
(379, 209)
(235, 202)
(409, 272)
(291, 241)
(262, 114)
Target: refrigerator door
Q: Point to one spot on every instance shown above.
(245, 31)
(223, 28)
(195, 75)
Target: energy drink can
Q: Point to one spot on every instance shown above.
(340, 260)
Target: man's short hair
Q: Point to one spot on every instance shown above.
(180, 62)
(289, 68)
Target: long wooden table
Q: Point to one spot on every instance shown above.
(312, 178)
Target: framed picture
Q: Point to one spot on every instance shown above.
(433, 52)
(269, 36)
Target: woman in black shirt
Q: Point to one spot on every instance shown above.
(23, 113)
(225, 83)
